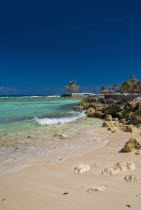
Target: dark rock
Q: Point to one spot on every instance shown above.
(130, 128)
(107, 124)
(129, 206)
(123, 121)
(110, 101)
(132, 145)
(136, 119)
(119, 115)
(65, 193)
(99, 114)
(130, 107)
(129, 115)
(90, 112)
(113, 109)
(108, 118)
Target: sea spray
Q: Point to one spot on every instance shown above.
(53, 121)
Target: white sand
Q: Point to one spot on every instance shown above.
(41, 187)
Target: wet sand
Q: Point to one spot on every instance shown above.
(49, 144)
(55, 186)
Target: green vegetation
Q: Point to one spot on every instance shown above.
(131, 86)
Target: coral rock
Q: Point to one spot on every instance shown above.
(112, 128)
(99, 114)
(96, 189)
(119, 168)
(130, 128)
(123, 121)
(115, 119)
(82, 168)
(108, 118)
(90, 112)
(133, 178)
(112, 110)
(132, 145)
(107, 124)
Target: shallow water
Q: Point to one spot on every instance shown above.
(43, 129)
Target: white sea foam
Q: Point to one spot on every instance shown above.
(34, 96)
(54, 96)
(17, 97)
(4, 97)
(52, 121)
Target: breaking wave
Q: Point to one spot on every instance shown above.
(53, 121)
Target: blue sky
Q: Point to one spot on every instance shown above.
(45, 44)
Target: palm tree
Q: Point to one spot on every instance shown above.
(138, 87)
(132, 84)
(125, 87)
(102, 88)
(115, 85)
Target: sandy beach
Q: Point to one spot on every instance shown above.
(55, 186)
(70, 105)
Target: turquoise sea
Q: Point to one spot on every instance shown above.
(37, 129)
(22, 113)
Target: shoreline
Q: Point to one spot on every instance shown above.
(50, 144)
(42, 186)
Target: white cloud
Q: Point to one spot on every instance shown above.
(6, 90)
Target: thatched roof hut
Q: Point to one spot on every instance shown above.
(105, 91)
(73, 87)
(111, 91)
(133, 81)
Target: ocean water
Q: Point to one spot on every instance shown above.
(41, 129)
(22, 113)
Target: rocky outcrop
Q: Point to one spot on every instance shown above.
(130, 107)
(130, 128)
(107, 124)
(115, 119)
(132, 145)
(110, 125)
(136, 100)
(99, 114)
(82, 168)
(90, 112)
(112, 129)
(108, 118)
(113, 110)
(123, 121)
(110, 101)
(128, 116)
(133, 178)
(119, 115)
(119, 168)
(136, 119)
(117, 124)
